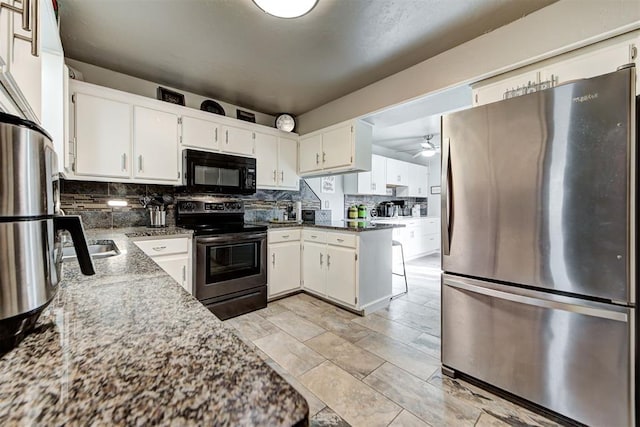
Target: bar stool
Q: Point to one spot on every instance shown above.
(404, 269)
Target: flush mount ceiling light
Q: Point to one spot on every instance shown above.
(286, 8)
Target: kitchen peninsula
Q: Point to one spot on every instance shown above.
(130, 346)
(347, 263)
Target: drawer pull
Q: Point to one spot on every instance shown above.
(314, 237)
(159, 248)
(340, 240)
(286, 236)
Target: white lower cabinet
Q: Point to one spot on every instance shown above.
(283, 261)
(173, 255)
(352, 269)
(419, 236)
(341, 274)
(330, 270)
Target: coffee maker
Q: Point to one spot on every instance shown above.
(31, 225)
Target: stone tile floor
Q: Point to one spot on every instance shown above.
(378, 370)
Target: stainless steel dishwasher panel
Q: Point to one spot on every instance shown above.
(573, 356)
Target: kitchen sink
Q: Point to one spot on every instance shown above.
(97, 249)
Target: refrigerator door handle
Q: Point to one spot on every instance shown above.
(537, 302)
(445, 199)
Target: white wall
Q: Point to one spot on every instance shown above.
(555, 29)
(112, 79)
(335, 200)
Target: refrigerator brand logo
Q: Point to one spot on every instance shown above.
(587, 97)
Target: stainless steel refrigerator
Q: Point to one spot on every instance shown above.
(539, 247)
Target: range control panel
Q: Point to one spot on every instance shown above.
(210, 207)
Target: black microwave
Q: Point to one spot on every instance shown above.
(217, 173)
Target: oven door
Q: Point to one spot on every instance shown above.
(230, 263)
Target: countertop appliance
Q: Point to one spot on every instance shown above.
(387, 210)
(539, 247)
(30, 228)
(217, 173)
(230, 263)
(313, 216)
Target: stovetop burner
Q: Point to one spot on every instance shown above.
(209, 216)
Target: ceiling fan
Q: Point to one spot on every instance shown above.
(428, 148)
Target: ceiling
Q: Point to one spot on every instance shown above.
(232, 51)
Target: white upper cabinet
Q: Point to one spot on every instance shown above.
(155, 142)
(238, 141)
(266, 160)
(124, 137)
(339, 148)
(20, 59)
(115, 140)
(493, 92)
(590, 64)
(288, 163)
(374, 182)
(198, 133)
(102, 137)
(418, 182)
(276, 161)
(310, 153)
(397, 173)
(601, 58)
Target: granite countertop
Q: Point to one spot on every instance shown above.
(346, 225)
(129, 346)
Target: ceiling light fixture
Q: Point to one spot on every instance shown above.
(286, 8)
(428, 149)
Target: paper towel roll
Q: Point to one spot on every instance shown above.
(299, 211)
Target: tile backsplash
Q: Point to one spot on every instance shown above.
(89, 200)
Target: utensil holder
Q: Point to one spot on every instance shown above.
(158, 218)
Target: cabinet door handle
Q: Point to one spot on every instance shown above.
(226, 136)
(124, 162)
(25, 11)
(216, 134)
(281, 176)
(328, 260)
(140, 163)
(321, 259)
(324, 157)
(273, 260)
(398, 178)
(159, 248)
(419, 190)
(184, 273)
(274, 175)
(317, 158)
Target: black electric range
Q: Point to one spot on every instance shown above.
(230, 257)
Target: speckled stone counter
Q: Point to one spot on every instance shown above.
(129, 346)
(357, 226)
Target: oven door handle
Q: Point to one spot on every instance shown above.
(231, 238)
